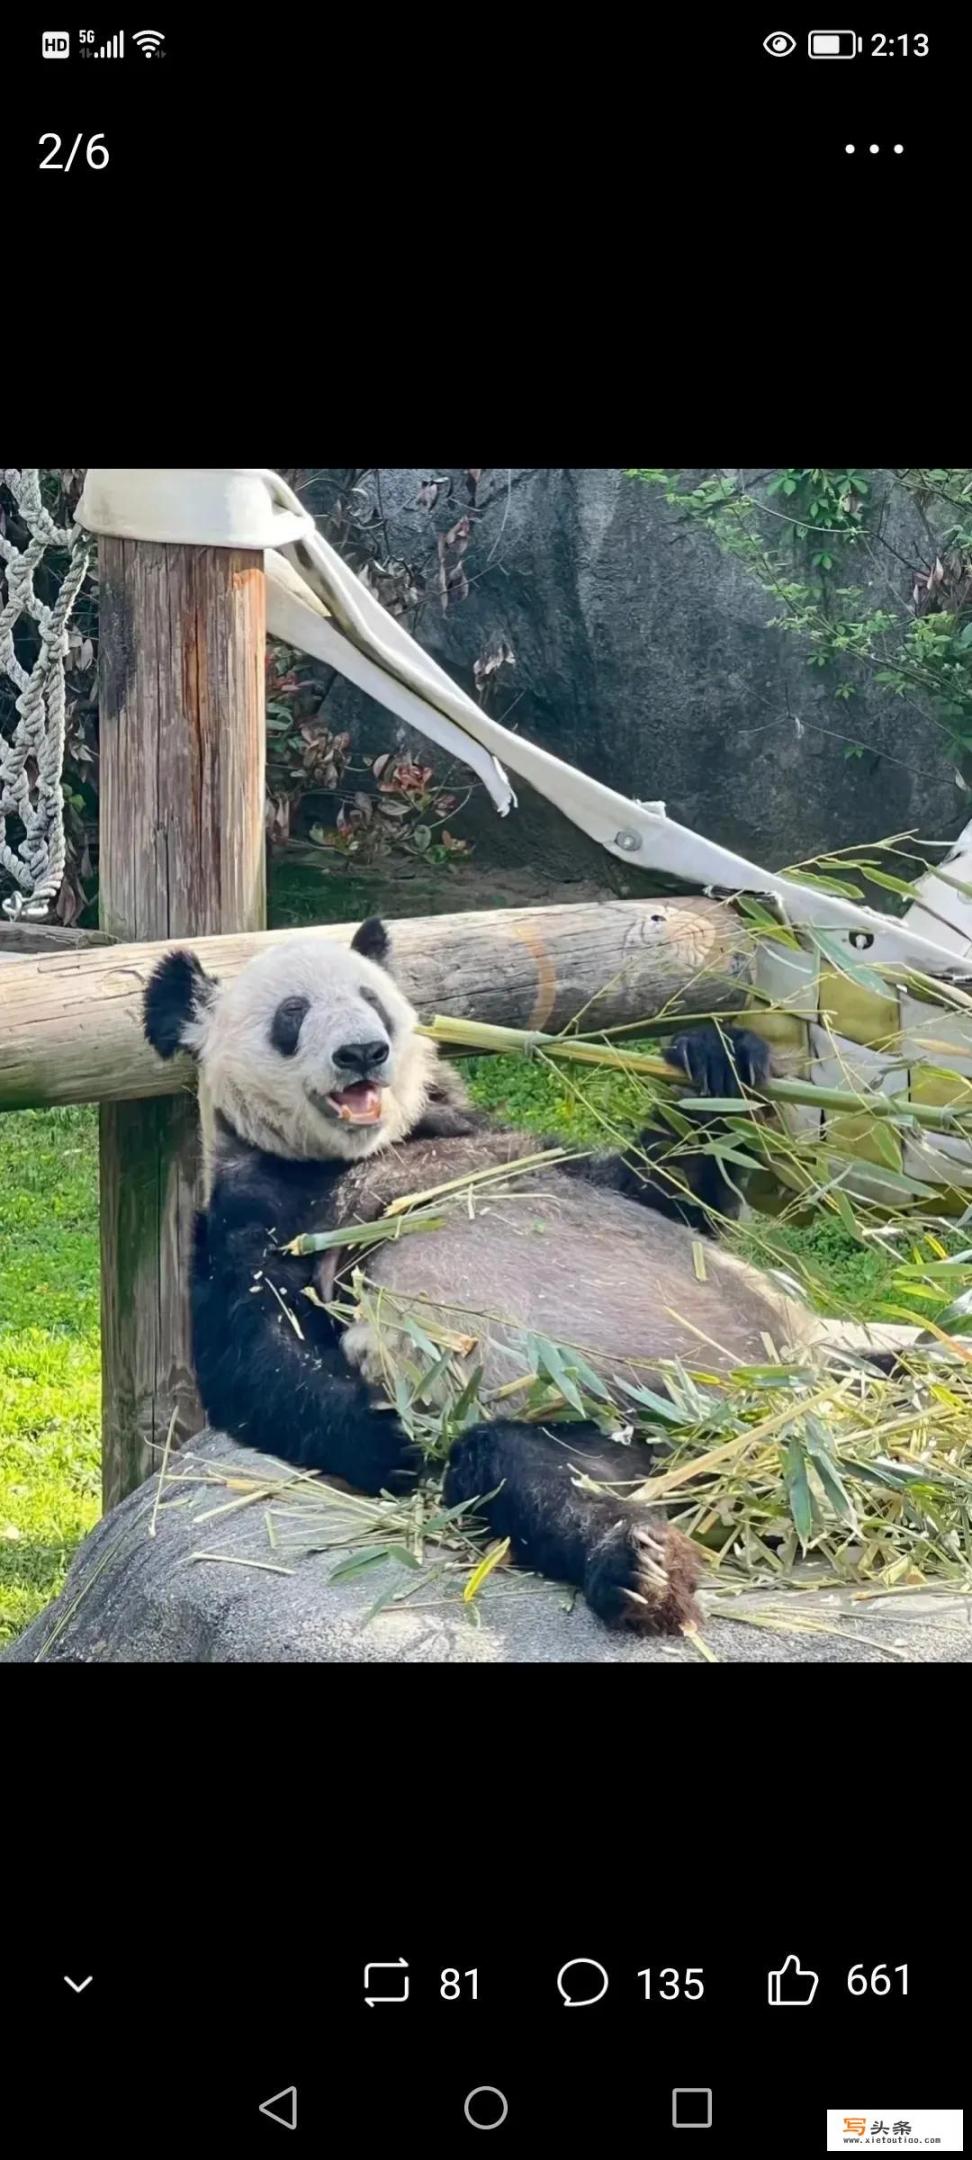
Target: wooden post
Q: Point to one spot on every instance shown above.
(182, 852)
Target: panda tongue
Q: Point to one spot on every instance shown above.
(361, 1104)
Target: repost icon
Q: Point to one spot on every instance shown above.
(393, 1989)
(793, 1986)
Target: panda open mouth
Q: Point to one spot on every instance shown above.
(357, 1105)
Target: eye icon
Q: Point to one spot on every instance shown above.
(780, 44)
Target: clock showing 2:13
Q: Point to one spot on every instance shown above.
(913, 42)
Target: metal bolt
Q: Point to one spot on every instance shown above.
(628, 840)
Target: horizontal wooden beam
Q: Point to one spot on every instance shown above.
(71, 1024)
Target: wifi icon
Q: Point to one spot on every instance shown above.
(148, 42)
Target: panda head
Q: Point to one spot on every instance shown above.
(310, 1051)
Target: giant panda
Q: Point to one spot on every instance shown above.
(319, 1104)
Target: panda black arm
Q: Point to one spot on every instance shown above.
(662, 1172)
(287, 1393)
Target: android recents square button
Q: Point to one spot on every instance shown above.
(692, 2107)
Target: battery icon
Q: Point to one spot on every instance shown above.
(834, 44)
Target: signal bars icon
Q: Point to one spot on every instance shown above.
(148, 42)
(112, 49)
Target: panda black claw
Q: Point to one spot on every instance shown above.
(627, 1586)
(717, 1059)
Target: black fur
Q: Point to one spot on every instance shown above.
(717, 1058)
(661, 1174)
(176, 990)
(372, 998)
(530, 1464)
(372, 941)
(578, 1537)
(286, 1392)
(287, 1389)
(287, 1023)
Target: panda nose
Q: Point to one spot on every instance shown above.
(361, 1057)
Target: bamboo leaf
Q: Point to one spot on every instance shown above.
(410, 1326)
(495, 1554)
(462, 1507)
(842, 1207)
(465, 1401)
(722, 1105)
(659, 1405)
(798, 1489)
(549, 1359)
(895, 1178)
(892, 884)
(763, 918)
(841, 886)
(818, 1449)
(839, 958)
(870, 1474)
(357, 1564)
(588, 1378)
(385, 1597)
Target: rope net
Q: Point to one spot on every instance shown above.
(33, 646)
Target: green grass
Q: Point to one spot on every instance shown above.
(303, 896)
(50, 1480)
(49, 1318)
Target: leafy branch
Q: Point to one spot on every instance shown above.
(800, 533)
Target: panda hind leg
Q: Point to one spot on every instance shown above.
(635, 1570)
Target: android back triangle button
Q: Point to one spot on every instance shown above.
(282, 2107)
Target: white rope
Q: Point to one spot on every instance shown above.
(31, 759)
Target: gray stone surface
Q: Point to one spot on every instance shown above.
(132, 1597)
(643, 656)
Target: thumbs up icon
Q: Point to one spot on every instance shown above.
(792, 1985)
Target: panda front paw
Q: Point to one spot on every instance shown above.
(718, 1059)
(386, 1459)
(473, 1467)
(642, 1574)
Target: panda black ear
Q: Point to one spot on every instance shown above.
(178, 995)
(372, 941)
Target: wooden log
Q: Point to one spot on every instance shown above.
(182, 851)
(19, 938)
(72, 1026)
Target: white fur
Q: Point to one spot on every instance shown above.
(267, 1097)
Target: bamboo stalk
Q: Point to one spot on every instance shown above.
(376, 1233)
(471, 1178)
(509, 1041)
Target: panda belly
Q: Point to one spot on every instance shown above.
(583, 1267)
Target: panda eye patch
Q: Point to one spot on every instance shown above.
(287, 1022)
(371, 998)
